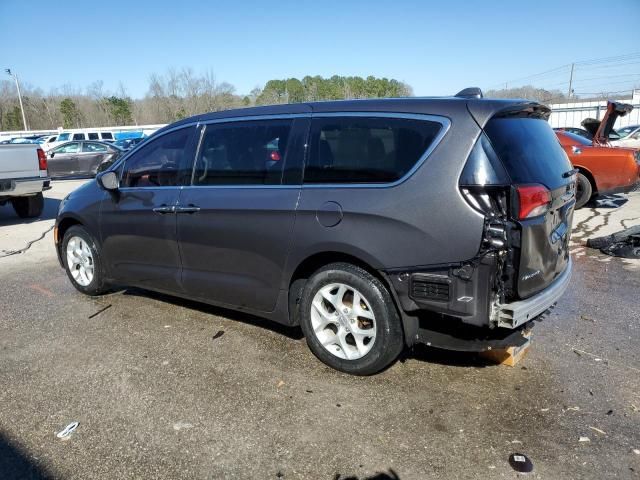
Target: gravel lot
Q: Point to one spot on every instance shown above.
(165, 388)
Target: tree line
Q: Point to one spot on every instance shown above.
(171, 96)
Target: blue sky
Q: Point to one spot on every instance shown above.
(436, 47)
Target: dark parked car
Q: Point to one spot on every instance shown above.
(82, 158)
(128, 143)
(372, 224)
(576, 131)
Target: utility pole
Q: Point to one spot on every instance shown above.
(571, 81)
(15, 77)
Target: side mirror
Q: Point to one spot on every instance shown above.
(109, 181)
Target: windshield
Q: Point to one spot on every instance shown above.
(578, 138)
(625, 131)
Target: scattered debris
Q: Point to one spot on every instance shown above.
(575, 409)
(218, 335)
(635, 409)
(167, 326)
(584, 439)
(100, 311)
(279, 475)
(577, 352)
(598, 430)
(42, 290)
(636, 451)
(516, 441)
(165, 362)
(610, 412)
(67, 431)
(280, 383)
(520, 463)
(587, 319)
(544, 409)
(624, 244)
(181, 425)
(309, 391)
(338, 405)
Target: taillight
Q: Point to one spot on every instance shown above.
(275, 156)
(534, 200)
(42, 159)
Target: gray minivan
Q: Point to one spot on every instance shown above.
(372, 224)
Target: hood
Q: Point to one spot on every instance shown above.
(602, 129)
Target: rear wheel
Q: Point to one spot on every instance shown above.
(28, 207)
(349, 320)
(584, 190)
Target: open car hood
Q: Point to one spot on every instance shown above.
(602, 129)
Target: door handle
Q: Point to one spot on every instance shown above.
(164, 209)
(189, 209)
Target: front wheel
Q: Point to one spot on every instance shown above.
(82, 261)
(349, 320)
(584, 190)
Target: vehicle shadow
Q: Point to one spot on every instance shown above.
(294, 333)
(391, 475)
(450, 358)
(418, 352)
(8, 215)
(15, 462)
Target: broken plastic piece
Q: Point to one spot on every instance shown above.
(520, 463)
(68, 430)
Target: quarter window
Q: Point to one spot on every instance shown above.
(93, 136)
(107, 136)
(366, 150)
(94, 147)
(161, 162)
(243, 153)
(78, 136)
(72, 147)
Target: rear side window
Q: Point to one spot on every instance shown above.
(93, 136)
(107, 136)
(63, 137)
(78, 136)
(243, 153)
(160, 163)
(94, 147)
(366, 150)
(529, 150)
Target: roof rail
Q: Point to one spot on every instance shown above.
(471, 92)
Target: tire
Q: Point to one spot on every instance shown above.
(375, 321)
(28, 207)
(88, 255)
(584, 190)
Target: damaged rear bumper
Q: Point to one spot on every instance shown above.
(514, 314)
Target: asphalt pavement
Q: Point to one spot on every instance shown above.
(164, 388)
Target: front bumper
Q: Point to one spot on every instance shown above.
(514, 314)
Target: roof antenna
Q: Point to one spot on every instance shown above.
(471, 92)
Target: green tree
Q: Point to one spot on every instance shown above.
(70, 113)
(119, 109)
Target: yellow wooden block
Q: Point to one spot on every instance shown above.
(508, 356)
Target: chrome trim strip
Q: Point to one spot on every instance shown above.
(251, 118)
(444, 121)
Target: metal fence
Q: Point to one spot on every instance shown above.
(571, 114)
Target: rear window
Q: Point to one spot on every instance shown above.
(529, 150)
(366, 150)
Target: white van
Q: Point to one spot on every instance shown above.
(84, 134)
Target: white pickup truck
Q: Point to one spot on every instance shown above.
(23, 178)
